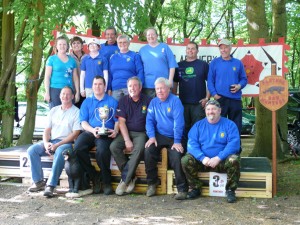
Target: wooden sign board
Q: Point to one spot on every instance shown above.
(273, 92)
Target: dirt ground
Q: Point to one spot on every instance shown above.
(20, 207)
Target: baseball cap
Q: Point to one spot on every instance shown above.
(224, 42)
(213, 102)
(93, 40)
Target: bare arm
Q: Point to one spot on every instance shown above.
(115, 131)
(175, 87)
(82, 77)
(76, 85)
(105, 75)
(171, 76)
(47, 78)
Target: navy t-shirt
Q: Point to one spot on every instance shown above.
(191, 77)
(134, 112)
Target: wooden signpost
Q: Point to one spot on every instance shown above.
(273, 94)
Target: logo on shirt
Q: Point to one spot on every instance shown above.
(163, 50)
(99, 62)
(144, 109)
(234, 68)
(128, 59)
(189, 70)
(222, 134)
(116, 51)
(169, 109)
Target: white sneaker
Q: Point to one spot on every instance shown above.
(131, 186)
(121, 188)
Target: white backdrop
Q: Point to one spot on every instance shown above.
(257, 58)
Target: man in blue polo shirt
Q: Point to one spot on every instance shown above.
(164, 126)
(91, 122)
(131, 112)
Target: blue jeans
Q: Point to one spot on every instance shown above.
(36, 151)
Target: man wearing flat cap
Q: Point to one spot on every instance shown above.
(213, 145)
(226, 79)
(92, 65)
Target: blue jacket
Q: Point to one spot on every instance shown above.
(223, 73)
(209, 140)
(123, 66)
(165, 118)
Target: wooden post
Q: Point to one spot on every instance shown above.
(273, 94)
(274, 142)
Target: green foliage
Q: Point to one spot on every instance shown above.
(6, 108)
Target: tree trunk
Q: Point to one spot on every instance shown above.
(33, 78)
(280, 30)
(258, 28)
(8, 88)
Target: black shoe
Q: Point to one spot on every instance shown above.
(49, 191)
(97, 183)
(230, 196)
(107, 189)
(193, 194)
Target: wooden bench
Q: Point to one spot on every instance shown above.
(14, 163)
(255, 180)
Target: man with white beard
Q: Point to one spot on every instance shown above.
(213, 144)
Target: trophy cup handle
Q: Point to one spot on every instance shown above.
(113, 112)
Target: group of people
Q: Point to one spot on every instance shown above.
(143, 114)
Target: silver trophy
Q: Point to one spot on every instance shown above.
(103, 113)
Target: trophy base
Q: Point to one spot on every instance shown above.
(102, 132)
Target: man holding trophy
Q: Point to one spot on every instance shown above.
(100, 128)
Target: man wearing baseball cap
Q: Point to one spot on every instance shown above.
(92, 65)
(226, 79)
(213, 144)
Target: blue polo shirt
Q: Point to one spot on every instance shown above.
(134, 112)
(93, 67)
(89, 111)
(107, 50)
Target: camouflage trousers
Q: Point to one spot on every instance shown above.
(192, 166)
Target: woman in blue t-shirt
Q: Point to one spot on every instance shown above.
(122, 66)
(158, 61)
(61, 71)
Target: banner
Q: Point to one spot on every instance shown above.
(257, 58)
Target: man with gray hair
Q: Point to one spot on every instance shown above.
(226, 79)
(164, 127)
(131, 113)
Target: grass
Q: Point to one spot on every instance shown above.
(288, 171)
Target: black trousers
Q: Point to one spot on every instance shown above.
(152, 156)
(83, 145)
